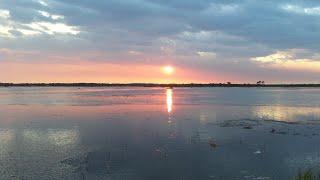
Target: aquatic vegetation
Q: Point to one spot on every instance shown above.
(244, 123)
(247, 127)
(212, 143)
(308, 174)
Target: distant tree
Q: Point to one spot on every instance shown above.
(260, 83)
(228, 83)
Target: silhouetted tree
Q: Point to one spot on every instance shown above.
(260, 83)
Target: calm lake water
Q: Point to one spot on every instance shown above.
(157, 133)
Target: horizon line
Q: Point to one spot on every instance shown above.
(226, 84)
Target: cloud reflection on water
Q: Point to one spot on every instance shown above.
(286, 113)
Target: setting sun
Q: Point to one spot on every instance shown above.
(168, 70)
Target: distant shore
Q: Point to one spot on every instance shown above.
(150, 85)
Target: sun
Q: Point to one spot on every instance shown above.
(168, 70)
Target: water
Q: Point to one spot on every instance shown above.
(157, 133)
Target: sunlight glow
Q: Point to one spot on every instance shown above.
(168, 70)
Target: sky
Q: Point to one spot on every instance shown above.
(123, 41)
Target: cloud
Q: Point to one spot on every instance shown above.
(35, 21)
(302, 10)
(210, 55)
(44, 13)
(43, 3)
(52, 28)
(4, 14)
(278, 57)
(267, 23)
(52, 16)
(135, 53)
(57, 17)
(241, 36)
(288, 55)
(296, 59)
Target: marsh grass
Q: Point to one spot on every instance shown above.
(308, 175)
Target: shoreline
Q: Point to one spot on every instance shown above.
(152, 85)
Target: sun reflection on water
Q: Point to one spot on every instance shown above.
(169, 94)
